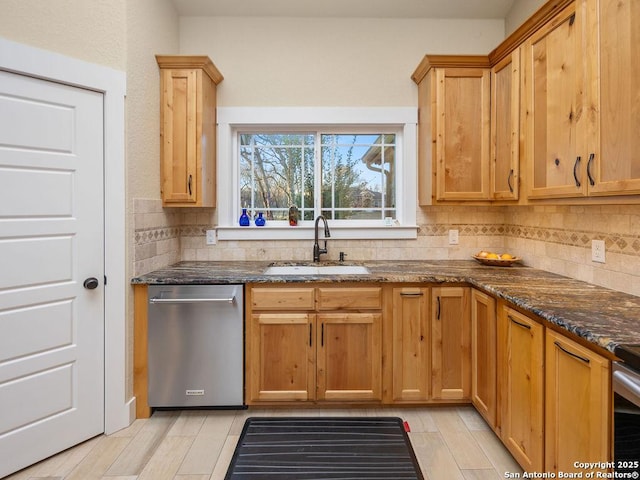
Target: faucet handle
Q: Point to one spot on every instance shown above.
(342, 255)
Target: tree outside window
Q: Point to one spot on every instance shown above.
(345, 176)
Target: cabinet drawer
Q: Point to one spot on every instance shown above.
(349, 298)
(282, 298)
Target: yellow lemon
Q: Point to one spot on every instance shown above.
(493, 256)
(506, 256)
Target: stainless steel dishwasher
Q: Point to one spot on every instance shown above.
(195, 351)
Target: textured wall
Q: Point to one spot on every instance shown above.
(152, 27)
(94, 31)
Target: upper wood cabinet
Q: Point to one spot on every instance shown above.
(613, 76)
(554, 110)
(188, 130)
(505, 128)
(554, 100)
(453, 128)
(582, 101)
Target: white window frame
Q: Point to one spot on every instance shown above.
(232, 120)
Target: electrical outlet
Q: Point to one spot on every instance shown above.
(211, 237)
(597, 251)
(453, 237)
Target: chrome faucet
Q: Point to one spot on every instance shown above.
(317, 251)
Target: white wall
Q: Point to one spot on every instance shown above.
(520, 12)
(327, 61)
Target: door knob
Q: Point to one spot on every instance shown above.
(90, 283)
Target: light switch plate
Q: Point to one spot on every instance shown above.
(453, 237)
(211, 237)
(597, 251)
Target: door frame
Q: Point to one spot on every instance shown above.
(119, 411)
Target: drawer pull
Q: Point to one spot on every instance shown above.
(413, 294)
(523, 325)
(585, 360)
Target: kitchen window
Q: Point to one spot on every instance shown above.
(355, 166)
(343, 176)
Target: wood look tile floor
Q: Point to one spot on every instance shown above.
(450, 443)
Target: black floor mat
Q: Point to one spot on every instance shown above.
(305, 448)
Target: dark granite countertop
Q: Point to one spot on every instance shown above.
(601, 316)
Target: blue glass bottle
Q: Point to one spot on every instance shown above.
(260, 221)
(244, 218)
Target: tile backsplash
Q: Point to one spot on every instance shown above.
(156, 234)
(558, 239)
(553, 238)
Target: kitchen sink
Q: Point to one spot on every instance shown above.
(316, 270)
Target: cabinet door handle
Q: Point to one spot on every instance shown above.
(575, 171)
(322, 335)
(438, 308)
(591, 179)
(189, 183)
(523, 325)
(311, 335)
(585, 360)
(412, 294)
(509, 180)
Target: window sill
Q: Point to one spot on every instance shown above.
(307, 233)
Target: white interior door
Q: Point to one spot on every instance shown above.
(51, 240)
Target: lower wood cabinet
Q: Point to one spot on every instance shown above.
(450, 343)
(521, 374)
(349, 356)
(554, 395)
(305, 344)
(483, 357)
(411, 376)
(431, 345)
(547, 397)
(281, 366)
(577, 406)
